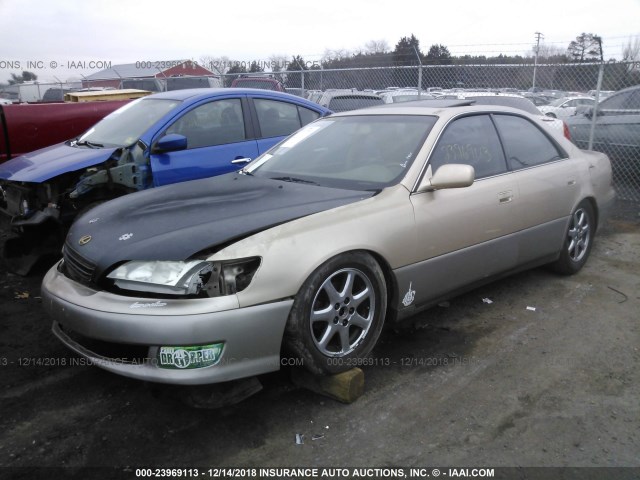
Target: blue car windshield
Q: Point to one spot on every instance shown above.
(125, 126)
(360, 152)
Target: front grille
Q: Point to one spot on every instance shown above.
(76, 267)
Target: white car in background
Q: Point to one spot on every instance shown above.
(566, 107)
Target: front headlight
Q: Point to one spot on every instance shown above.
(188, 278)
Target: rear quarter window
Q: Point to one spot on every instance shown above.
(276, 118)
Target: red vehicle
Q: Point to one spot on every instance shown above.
(27, 127)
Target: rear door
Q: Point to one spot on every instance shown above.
(548, 183)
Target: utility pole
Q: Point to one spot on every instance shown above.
(598, 39)
(535, 61)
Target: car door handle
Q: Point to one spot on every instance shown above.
(505, 197)
(241, 160)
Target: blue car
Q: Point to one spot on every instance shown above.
(156, 140)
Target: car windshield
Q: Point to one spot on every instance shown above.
(360, 152)
(124, 126)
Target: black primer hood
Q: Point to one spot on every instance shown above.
(178, 221)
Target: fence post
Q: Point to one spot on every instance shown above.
(594, 115)
(419, 71)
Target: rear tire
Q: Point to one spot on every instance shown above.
(578, 240)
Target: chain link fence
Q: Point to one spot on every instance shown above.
(569, 92)
(600, 102)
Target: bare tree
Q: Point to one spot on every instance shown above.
(334, 55)
(631, 51)
(548, 51)
(219, 65)
(376, 46)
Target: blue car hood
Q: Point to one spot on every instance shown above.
(178, 221)
(49, 162)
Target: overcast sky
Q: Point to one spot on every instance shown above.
(117, 31)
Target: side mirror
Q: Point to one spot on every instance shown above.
(451, 175)
(170, 143)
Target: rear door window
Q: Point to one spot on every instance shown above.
(525, 144)
(278, 119)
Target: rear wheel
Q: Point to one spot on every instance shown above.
(578, 241)
(338, 314)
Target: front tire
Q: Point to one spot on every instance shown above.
(578, 241)
(338, 314)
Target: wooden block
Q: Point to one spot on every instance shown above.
(346, 387)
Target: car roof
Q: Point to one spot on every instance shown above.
(195, 94)
(430, 103)
(628, 89)
(262, 79)
(574, 97)
(505, 99)
(440, 108)
(404, 91)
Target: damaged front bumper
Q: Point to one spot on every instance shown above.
(33, 233)
(131, 336)
(21, 203)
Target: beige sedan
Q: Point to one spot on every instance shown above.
(357, 219)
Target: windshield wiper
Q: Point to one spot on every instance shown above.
(295, 180)
(89, 144)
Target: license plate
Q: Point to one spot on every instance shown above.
(189, 357)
